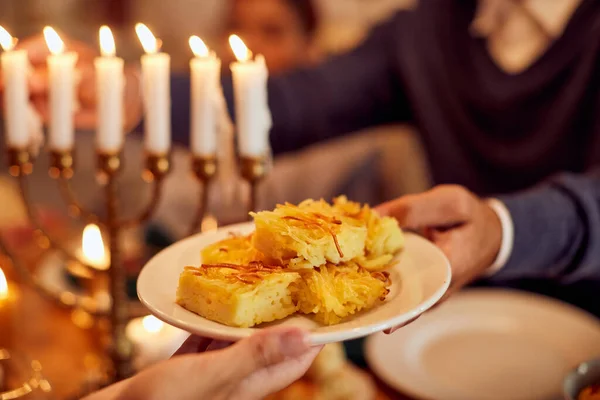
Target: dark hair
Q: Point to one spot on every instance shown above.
(306, 11)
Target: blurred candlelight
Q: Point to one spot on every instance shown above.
(253, 117)
(107, 42)
(3, 286)
(156, 89)
(205, 92)
(53, 41)
(62, 87)
(110, 84)
(15, 67)
(152, 324)
(241, 51)
(147, 39)
(198, 47)
(92, 245)
(6, 40)
(153, 340)
(7, 308)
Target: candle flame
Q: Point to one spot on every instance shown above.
(149, 42)
(53, 41)
(152, 324)
(3, 286)
(107, 42)
(6, 40)
(241, 51)
(198, 47)
(93, 247)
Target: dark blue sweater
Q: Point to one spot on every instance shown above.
(490, 131)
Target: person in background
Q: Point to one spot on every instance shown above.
(248, 370)
(283, 31)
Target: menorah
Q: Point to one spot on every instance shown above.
(62, 168)
(207, 109)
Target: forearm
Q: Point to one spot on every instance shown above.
(345, 94)
(556, 230)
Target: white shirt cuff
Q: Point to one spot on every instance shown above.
(508, 236)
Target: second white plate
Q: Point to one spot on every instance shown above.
(420, 278)
(486, 344)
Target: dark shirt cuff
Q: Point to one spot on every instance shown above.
(546, 225)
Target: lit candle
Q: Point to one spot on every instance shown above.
(7, 307)
(153, 340)
(205, 68)
(253, 118)
(62, 86)
(15, 67)
(156, 93)
(110, 83)
(93, 251)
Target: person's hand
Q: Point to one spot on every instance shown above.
(85, 117)
(462, 225)
(250, 369)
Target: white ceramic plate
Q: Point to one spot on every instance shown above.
(419, 278)
(486, 344)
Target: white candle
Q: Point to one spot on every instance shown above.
(153, 340)
(156, 88)
(205, 74)
(110, 83)
(253, 118)
(15, 67)
(62, 85)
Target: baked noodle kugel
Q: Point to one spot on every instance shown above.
(315, 258)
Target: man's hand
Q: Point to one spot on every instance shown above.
(466, 229)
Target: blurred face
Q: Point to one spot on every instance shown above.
(272, 28)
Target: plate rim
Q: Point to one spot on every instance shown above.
(315, 338)
(378, 370)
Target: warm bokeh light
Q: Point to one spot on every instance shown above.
(107, 42)
(241, 51)
(3, 286)
(198, 47)
(6, 40)
(53, 41)
(93, 247)
(149, 42)
(152, 324)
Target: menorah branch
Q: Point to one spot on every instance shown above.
(205, 169)
(157, 167)
(62, 164)
(75, 207)
(19, 167)
(254, 170)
